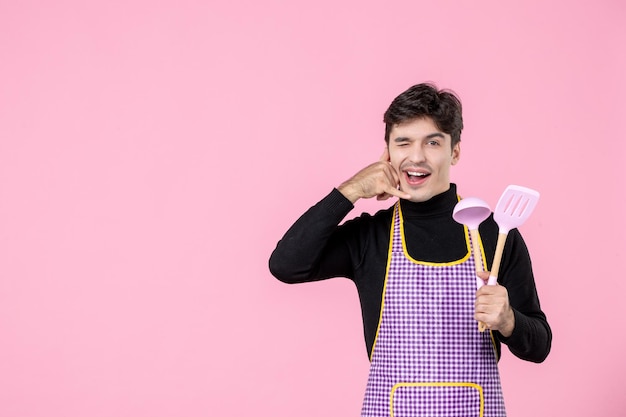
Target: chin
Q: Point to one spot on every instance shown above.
(418, 197)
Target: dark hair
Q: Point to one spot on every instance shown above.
(425, 100)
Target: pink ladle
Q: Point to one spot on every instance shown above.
(471, 212)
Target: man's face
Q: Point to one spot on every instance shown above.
(421, 154)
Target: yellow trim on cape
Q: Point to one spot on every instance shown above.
(398, 211)
(382, 300)
(439, 384)
(457, 262)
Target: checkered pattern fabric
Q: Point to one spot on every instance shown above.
(429, 358)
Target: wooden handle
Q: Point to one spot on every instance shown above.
(495, 268)
(497, 258)
(478, 259)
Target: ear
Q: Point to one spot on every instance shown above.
(456, 153)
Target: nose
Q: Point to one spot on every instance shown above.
(417, 153)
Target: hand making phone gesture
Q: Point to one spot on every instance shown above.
(378, 180)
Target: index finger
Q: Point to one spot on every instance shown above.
(398, 193)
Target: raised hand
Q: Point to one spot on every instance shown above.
(378, 180)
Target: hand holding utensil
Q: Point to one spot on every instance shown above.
(513, 209)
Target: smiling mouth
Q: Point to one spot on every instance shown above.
(416, 177)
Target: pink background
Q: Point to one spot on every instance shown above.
(153, 152)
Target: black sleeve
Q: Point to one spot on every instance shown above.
(314, 248)
(532, 337)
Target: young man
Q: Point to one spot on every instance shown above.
(414, 272)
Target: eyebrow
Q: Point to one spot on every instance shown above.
(401, 139)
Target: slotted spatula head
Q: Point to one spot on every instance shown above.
(514, 207)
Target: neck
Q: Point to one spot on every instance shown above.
(440, 204)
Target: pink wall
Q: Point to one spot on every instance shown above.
(152, 153)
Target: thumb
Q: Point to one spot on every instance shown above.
(484, 275)
(385, 156)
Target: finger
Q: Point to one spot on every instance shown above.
(484, 317)
(397, 193)
(392, 177)
(481, 304)
(484, 275)
(491, 290)
(393, 181)
(482, 292)
(385, 156)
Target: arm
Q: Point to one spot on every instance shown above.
(315, 247)
(531, 338)
(512, 308)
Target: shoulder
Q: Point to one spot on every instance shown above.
(381, 217)
(366, 228)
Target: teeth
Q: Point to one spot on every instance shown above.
(417, 174)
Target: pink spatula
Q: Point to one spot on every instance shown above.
(513, 209)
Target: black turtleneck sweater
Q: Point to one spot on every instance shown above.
(316, 247)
